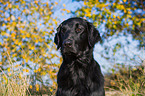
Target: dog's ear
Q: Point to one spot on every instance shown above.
(57, 39)
(93, 34)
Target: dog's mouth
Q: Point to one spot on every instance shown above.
(68, 52)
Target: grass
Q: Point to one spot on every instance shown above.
(13, 85)
(13, 82)
(126, 82)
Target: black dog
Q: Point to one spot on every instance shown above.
(79, 74)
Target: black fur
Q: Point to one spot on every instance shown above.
(79, 74)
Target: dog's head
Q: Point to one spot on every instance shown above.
(76, 35)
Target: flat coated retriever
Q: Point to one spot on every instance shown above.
(79, 74)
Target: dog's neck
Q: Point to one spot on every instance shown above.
(82, 57)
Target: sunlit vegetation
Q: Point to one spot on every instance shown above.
(27, 51)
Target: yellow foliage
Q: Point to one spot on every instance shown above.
(23, 2)
(43, 73)
(39, 69)
(112, 83)
(16, 41)
(114, 26)
(25, 70)
(28, 35)
(5, 78)
(115, 22)
(129, 16)
(127, 24)
(3, 24)
(27, 59)
(35, 1)
(4, 33)
(30, 86)
(85, 3)
(100, 5)
(51, 89)
(20, 75)
(36, 28)
(21, 31)
(23, 36)
(56, 3)
(20, 43)
(1, 11)
(37, 87)
(13, 35)
(88, 14)
(87, 10)
(19, 18)
(8, 69)
(14, 55)
(10, 5)
(36, 40)
(68, 11)
(24, 40)
(8, 19)
(17, 65)
(118, 17)
(64, 5)
(35, 71)
(114, 16)
(125, 11)
(32, 47)
(9, 74)
(51, 7)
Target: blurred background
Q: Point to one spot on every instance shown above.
(29, 61)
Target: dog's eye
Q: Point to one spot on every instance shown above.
(78, 29)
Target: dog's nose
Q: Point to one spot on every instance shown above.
(67, 43)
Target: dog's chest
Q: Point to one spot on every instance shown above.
(79, 74)
(74, 76)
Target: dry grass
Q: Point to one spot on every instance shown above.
(13, 82)
(126, 82)
(13, 85)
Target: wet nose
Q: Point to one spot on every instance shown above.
(67, 43)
